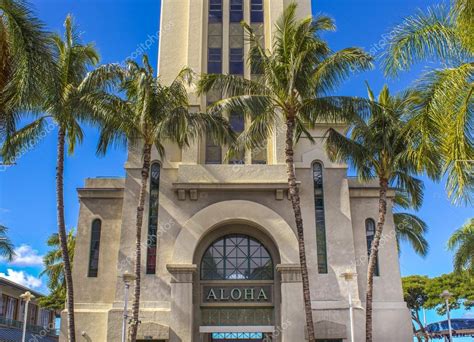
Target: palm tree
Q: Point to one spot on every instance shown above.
(383, 146)
(151, 114)
(446, 114)
(409, 227)
(6, 246)
(462, 243)
(64, 105)
(54, 269)
(289, 94)
(25, 62)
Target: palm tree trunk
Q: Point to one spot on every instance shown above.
(63, 236)
(373, 256)
(295, 201)
(138, 241)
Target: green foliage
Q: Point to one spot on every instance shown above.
(151, 113)
(460, 285)
(63, 100)
(54, 269)
(409, 227)
(445, 111)
(294, 79)
(423, 292)
(383, 144)
(26, 62)
(414, 291)
(6, 246)
(462, 243)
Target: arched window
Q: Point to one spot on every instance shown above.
(320, 218)
(236, 257)
(370, 234)
(94, 248)
(153, 218)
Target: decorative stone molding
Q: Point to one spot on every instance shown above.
(224, 212)
(182, 195)
(193, 195)
(290, 273)
(182, 273)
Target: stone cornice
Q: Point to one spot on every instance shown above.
(182, 273)
(100, 193)
(290, 273)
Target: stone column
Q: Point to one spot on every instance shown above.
(292, 305)
(181, 319)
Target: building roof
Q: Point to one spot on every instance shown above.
(460, 327)
(6, 282)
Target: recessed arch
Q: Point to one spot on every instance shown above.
(236, 212)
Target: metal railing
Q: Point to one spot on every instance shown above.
(35, 329)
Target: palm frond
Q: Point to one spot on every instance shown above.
(447, 97)
(26, 61)
(6, 246)
(23, 139)
(425, 35)
(411, 186)
(342, 149)
(462, 243)
(338, 67)
(412, 229)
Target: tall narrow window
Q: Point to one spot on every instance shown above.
(256, 11)
(236, 66)
(320, 220)
(214, 65)
(237, 123)
(236, 39)
(215, 11)
(95, 247)
(236, 11)
(213, 152)
(153, 218)
(370, 235)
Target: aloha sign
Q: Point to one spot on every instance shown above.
(239, 294)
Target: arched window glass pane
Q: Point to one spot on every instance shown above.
(236, 257)
(370, 235)
(153, 218)
(320, 218)
(94, 248)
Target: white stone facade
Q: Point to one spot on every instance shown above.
(199, 203)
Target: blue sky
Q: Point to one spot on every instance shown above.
(119, 28)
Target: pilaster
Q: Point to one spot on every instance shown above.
(181, 320)
(292, 313)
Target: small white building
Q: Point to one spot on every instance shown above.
(220, 252)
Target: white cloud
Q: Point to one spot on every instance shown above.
(469, 314)
(22, 278)
(26, 256)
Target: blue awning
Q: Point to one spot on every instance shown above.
(460, 327)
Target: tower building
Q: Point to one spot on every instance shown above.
(220, 250)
